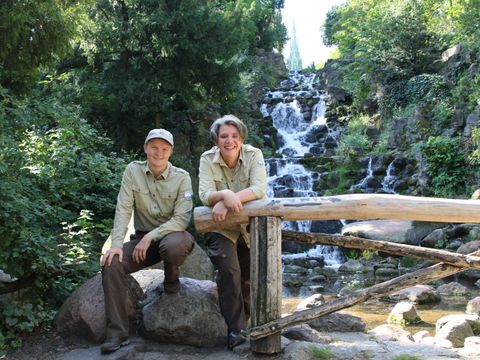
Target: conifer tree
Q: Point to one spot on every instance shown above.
(294, 60)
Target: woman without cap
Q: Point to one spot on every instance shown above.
(231, 174)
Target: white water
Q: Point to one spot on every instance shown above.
(302, 129)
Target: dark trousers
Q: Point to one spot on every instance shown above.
(172, 249)
(233, 278)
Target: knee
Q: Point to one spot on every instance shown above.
(114, 268)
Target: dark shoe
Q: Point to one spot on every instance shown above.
(235, 338)
(171, 288)
(113, 344)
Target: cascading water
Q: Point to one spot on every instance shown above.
(297, 109)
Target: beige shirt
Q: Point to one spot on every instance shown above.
(249, 173)
(160, 205)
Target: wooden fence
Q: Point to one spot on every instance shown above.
(265, 218)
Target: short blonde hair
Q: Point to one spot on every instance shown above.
(227, 120)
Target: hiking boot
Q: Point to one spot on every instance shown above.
(235, 338)
(113, 344)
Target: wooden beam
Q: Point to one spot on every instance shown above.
(266, 279)
(433, 272)
(353, 242)
(352, 206)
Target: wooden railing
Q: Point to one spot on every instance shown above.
(265, 218)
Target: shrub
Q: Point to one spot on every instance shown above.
(446, 165)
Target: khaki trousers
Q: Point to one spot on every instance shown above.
(172, 249)
(233, 278)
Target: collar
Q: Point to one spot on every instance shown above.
(164, 175)
(217, 158)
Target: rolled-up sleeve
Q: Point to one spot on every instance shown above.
(206, 181)
(181, 213)
(258, 176)
(123, 209)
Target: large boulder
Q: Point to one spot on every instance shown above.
(456, 331)
(190, 317)
(391, 333)
(473, 306)
(404, 313)
(83, 314)
(419, 294)
(338, 322)
(473, 321)
(453, 289)
(398, 231)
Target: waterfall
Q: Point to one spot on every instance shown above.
(388, 181)
(363, 184)
(297, 109)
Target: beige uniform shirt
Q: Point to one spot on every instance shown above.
(160, 205)
(249, 173)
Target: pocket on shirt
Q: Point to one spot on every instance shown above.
(142, 198)
(244, 182)
(220, 183)
(167, 203)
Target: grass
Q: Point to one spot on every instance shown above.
(321, 352)
(406, 357)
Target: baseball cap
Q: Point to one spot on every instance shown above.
(160, 134)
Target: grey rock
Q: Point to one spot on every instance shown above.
(419, 294)
(338, 322)
(399, 231)
(452, 289)
(473, 306)
(191, 317)
(305, 332)
(391, 333)
(352, 266)
(83, 313)
(404, 313)
(455, 331)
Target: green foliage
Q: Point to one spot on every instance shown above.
(21, 318)
(33, 34)
(418, 89)
(321, 352)
(406, 357)
(166, 63)
(474, 156)
(467, 90)
(56, 174)
(354, 142)
(408, 261)
(446, 165)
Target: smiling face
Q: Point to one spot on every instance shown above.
(158, 152)
(230, 143)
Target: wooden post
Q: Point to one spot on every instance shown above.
(266, 279)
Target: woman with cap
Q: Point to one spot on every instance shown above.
(160, 197)
(231, 174)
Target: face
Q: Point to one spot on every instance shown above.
(229, 141)
(158, 152)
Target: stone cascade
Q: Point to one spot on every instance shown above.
(382, 174)
(297, 109)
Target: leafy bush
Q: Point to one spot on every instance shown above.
(58, 187)
(446, 165)
(354, 142)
